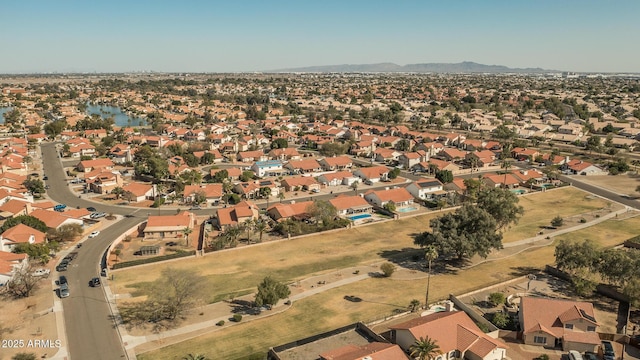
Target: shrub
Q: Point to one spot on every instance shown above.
(557, 221)
(387, 269)
(543, 357)
(583, 220)
(237, 317)
(496, 298)
(500, 320)
(220, 323)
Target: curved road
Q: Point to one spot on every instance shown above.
(90, 329)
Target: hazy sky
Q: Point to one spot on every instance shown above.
(229, 36)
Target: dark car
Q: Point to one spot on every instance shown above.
(607, 351)
(64, 291)
(95, 282)
(92, 209)
(63, 280)
(590, 355)
(63, 265)
(45, 177)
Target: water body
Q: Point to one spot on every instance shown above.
(120, 117)
(4, 110)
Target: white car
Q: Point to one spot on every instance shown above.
(41, 272)
(94, 234)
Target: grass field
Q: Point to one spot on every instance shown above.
(329, 310)
(234, 271)
(540, 208)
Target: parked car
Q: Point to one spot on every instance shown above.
(607, 351)
(41, 272)
(574, 355)
(94, 234)
(95, 282)
(59, 207)
(103, 272)
(62, 280)
(45, 177)
(590, 355)
(97, 215)
(63, 265)
(195, 207)
(64, 290)
(92, 209)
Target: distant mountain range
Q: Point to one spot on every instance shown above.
(464, 67)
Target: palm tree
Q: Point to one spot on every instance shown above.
(260, 226)
(430, 254)
(414, 305)
(425, 349)
(281, 196)
(186, 231)
(506, 165)
(231, 235)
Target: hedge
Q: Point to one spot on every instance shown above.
(175, 255)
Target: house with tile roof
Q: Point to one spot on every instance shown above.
(14, 207)
(336, 163)
(400, 197)
(579, 167)
(304, 166)
(306, 183)
(55, 219)
(280, 212)
(233, 173)
(501, 180)
(90, 165)
(338, 178)
(455, 333)
(252, 156)
(558, 322)
(350, 205)
(104, 182)
(20, 234)
(410, 159)
(141, 191)
(168, 226)
(285, 154)
(237, 214)
(372, 174)
(212, 193)
(426, 189)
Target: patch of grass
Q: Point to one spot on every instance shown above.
(540, 208)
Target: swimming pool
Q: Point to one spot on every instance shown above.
(518, 191)
(406, 209)
(359, 217)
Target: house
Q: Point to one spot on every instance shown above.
(426, 189)
(104, 182)
(55, 219)
(523, 154)
(579, 167)
(285, 154)
(90, 165)
(211, 192)
(304, 166)
(481, 159)
(12, 207)
(336, 163)
(20, 234)
(554, 322)
(233, 173)
(399, 197)
(306, 183)
(454, 332)
(410, 159)
(372, 174)
(237, 214)
(456, 185)
(9, 263)
(452, 154)
(141, 191)
(501, 180)
(383, 155)
(338, 178)
(280, 212)
(350, 204)
(168, 226)
(252, 156)
(434, 165)
(266, 168)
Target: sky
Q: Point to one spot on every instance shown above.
(262, 35)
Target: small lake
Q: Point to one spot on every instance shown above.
(120, 118)
(4, 110)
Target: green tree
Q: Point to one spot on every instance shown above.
(557, 221)
(35, 186)
(207, 158)
(27, 220)
(270, 291)
(468, 231)
(594, 143)
(500, 320)
(387, 269)
(574, 257)
(393, 173)
(260, 226)
(389, 206)
(187, 231)
(191, 177)
(24, 356)
(55, 128)
(333, 149)
(279, 143)
(445, 176)
(424, 349)
(117, 191)
(65, 233)
(264, 192)
(430, 254)
(220, 176)
(496, 298)
(502, 205)
(414, 305)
